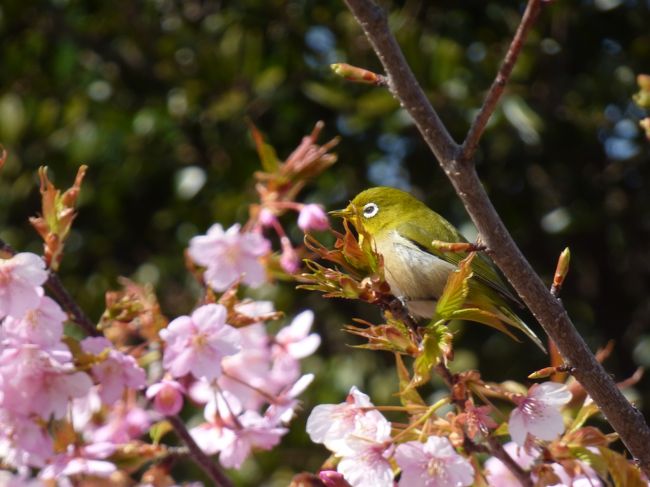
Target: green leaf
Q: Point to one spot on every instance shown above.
(456, 289)
(266, 153)
(158, 430)
(594, 460)
(621, 470)
(407, 395)
(435, 344)
(586, 412)
(484, 317)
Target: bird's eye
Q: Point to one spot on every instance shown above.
(370, 210)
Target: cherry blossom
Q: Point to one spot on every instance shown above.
(229, 256)
(365, 458)
(196, 344)
(432, 464)
(295, 339)
(41, 325)
(116, 372)
(33, 381)
(313, 217)
(234, 435)
(497, 473)
(126, 421)
(538, 414)
(167, 396)
(330, 424)
(20, 278)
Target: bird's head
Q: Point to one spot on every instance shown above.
(379, 209)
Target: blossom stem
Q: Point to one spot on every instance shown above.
(424, 418)
(203, 460)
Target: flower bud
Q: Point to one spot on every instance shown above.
(313, 217)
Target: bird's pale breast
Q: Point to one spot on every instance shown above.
(413, 274)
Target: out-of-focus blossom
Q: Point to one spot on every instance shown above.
(20, 278)
(167, 396)
(587, 477)
(33, 381)
(41, 325)
(313, 217)
(196, 344)
(295, 339)
(332, 478)
(538, 414)
(234, 435)
(24, 441)
(229, 256)
(267, 218)
(125, 422)
(21, 479)
(432, 464)
(285, 403)
(289, 258)
(367, 450)
(496, 471)
(116, 372)
(330, 424)
(88, 460)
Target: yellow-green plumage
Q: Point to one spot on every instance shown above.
(403, 229)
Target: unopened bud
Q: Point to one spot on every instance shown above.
(561, 270)
(358, 75)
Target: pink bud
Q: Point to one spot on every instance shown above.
(167, 396)
(331, 478)
(267, 218)
(289, 258)
(313, 217)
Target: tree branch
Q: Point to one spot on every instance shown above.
(624, 418)
(204, 461)
(498, 85)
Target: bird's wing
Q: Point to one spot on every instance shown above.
(484, 270)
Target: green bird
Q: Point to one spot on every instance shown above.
(403, 229)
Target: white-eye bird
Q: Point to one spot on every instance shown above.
(403, 229)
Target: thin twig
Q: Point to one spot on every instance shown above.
(498, 85)
(62, 296)
(209, 466)
(624, 418)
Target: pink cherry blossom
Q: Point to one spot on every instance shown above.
(20, 278)
(88, 460)
(125, 422)
(116, 372)
(283, 408)
(313, 217)
(24, 441)
(367, 450)
(330, 424)
(234, 435)
(197, 344)
(33, 381)
(538, 414)
(167, 396)
(496, 471)
(229, 256)
(332, 478)
(41, 325)
(432, 464)
(295, 340)
(289, 260)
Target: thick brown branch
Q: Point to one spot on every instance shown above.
(208, 465)
(498, 85)
(624, 418)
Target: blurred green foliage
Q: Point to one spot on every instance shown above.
(155, 97)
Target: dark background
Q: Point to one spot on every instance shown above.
(155, 97)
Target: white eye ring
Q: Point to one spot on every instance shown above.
(370, 210)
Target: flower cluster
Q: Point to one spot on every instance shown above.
(42, 377)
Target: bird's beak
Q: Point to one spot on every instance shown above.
(344, 213)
